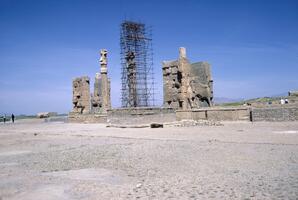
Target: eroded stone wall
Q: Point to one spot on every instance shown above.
(215, 114)
(141, 115)
(186, 85)
(99, 102)
(96, 99)
(81, 95)
(278, 113)
(171, 84)
(87, 118)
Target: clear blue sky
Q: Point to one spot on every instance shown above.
(251, 45)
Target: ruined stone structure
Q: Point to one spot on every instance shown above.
(96, 98)
(105, 82)
(238, 113)
(132, 79)
(81, 95)
(89, 106)
(188, 94)
(187, 85)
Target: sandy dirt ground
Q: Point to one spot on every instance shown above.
(48, 161)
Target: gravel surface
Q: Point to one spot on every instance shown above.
(237, 160)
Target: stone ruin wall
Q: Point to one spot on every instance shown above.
(81, 95)
(216, 114)
(202, 71)
(141, 115)
(186, 85)
(171, 84)
(276, 113)
(96, 97)
(85, 103)
(187, 89)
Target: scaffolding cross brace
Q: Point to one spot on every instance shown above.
(137, 74)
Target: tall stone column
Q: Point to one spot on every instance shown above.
(109, 94)
(105, 85)
(184, 68)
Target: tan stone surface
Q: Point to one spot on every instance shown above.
(105, 83)
(186, 85)
(96, 100)
(81, 95)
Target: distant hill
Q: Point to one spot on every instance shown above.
(223, 101)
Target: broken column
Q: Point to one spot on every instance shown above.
(105, 82)
(109, 94)
(81, 95)
(132, 79)
(96, 99)
(184, 68)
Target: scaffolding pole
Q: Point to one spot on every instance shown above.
(137, 75)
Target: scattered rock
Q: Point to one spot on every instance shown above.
(156, 125)
(127, 126)
(190, 123)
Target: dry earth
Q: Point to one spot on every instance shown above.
(89, 161)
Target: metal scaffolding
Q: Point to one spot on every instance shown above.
(137, 65)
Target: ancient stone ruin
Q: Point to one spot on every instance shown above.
(99, 102)
(186, 85)
(187, 90)
(188, 95)
(132, 79)
(81, 95)
(96, 98)
(104, 84)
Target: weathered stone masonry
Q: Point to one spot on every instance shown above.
(86, 105)
(278, 113)
(186, 85)
(81, 95)
(105, 82)
(188, 94)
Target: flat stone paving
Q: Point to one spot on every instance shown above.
(239, 160)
